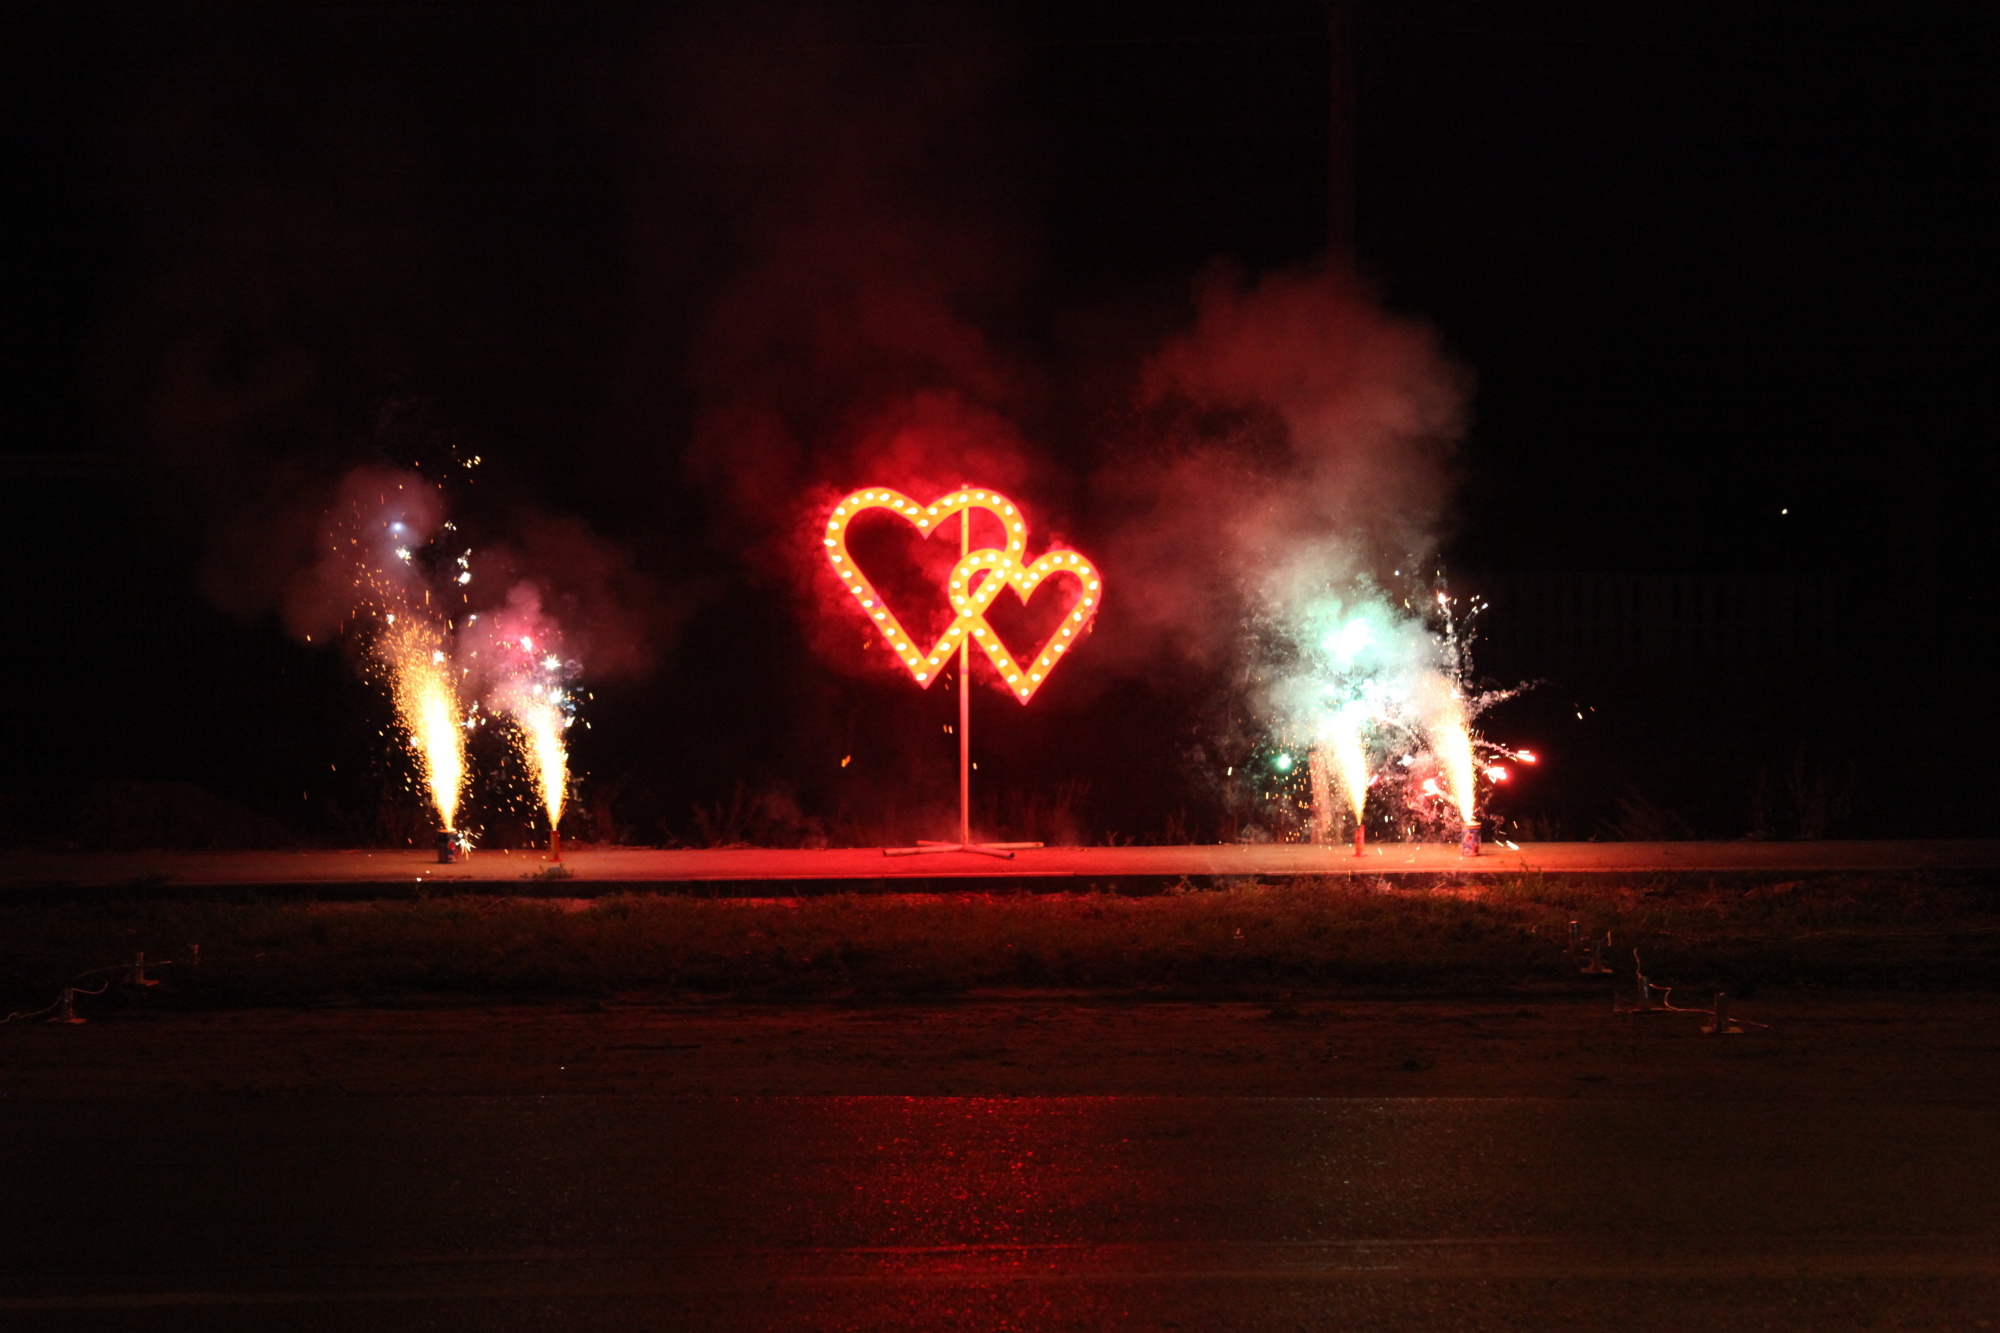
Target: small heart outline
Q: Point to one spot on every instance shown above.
(1024, 579)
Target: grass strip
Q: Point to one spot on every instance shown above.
(1910, 930)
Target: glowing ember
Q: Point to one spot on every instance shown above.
(427, 711)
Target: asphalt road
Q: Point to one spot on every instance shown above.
(630, 1212)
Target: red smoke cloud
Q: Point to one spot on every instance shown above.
(861, 337)
(851, 341)
(1295, 429)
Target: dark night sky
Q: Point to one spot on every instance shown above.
(1705, 262)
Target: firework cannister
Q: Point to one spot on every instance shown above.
(452, 846)
(1468, 845)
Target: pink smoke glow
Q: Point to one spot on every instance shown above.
(1295, 433)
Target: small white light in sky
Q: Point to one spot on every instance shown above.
(1784, 511)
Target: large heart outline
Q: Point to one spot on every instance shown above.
(975, 581)
(921, 663)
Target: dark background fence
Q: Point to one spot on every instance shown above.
(1780, 705)
(1575, 618)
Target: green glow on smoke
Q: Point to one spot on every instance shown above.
(1346, 643)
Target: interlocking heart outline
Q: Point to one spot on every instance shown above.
(976, 580)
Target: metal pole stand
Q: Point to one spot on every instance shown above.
(137, 976)
(1642, 990)
(1722, 1027)
(67, 1013)
(1596, 967)
(1004, 850)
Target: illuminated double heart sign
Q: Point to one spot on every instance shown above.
(975, 581)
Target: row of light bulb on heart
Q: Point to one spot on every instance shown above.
(971, 601)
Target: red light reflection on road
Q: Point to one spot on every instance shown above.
(918, 1173)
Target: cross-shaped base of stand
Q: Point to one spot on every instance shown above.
(1004, 850)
